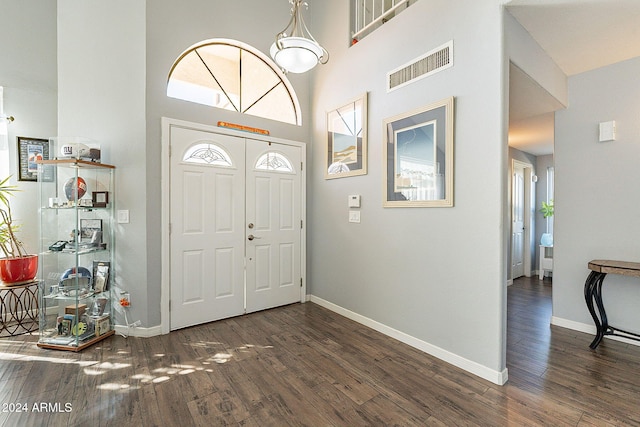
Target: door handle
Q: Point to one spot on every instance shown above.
(251, 237)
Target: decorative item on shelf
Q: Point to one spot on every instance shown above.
(75, 282)
(75, 189)
(99, 199)
(103, 325)
(101, 276)
(77, 150)
(17, 266)
(295, 50)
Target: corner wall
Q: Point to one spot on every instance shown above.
(436, 275)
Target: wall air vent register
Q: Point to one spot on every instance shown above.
(430, 63)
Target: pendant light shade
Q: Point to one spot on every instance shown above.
(297, 52)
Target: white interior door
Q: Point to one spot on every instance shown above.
(518, 218)
(207, 237)
(273, 226)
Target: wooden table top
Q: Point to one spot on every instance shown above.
(624, 268)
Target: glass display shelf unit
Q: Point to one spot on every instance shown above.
(76, 257)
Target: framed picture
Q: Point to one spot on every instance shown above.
(88, 229)
(101, 276)
(418, 156)
(100, 199)
(30, 150)
(347, 139)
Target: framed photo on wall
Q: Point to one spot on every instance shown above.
(30, 150)
(347, 139)
(418, 156)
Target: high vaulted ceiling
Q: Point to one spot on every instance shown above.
(579, 35)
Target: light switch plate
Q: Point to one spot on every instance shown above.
(123, 216)
(608, 131)
(354, 216)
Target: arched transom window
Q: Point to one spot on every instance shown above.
(235, 76)
(205, 153)
(275, 162)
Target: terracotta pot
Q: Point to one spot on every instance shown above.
(14, 271)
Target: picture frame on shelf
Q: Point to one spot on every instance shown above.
(418, 155)
(30, 151)
(100, 199)
(347, 139)
(103, 325)
(101, 271)
(88, 230)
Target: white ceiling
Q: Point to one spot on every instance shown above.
(579, 35)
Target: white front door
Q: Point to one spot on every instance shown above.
(517, 227)
(219, 184)
(207, 227)
(273, 225)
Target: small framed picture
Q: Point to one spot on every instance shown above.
(30, 152)
(103, 325)
(90, 229)
(100, 199)
(101, 276)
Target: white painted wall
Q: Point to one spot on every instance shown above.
(435, 274)
(101, 86)
(28, 74)
(597, 193)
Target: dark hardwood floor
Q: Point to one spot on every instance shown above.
(304, 365)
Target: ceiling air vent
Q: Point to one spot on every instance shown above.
(430, 63)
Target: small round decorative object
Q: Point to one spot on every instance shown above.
(79, 328)
(71, 187)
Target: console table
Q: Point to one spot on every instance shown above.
(593, 295)
(18, 309)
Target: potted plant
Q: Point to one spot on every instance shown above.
(547, 212)
(16, 265)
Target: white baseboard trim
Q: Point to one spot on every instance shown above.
(509, 282)
(496, 377)
(138, 331)
(587, 329)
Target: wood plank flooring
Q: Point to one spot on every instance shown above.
(303, 365)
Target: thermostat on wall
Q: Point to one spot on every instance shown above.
(354, 201)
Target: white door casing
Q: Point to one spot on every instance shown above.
(229, 230)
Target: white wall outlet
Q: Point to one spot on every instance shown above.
(354, 216)
(354, 201)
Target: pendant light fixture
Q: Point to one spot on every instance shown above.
(295, 50)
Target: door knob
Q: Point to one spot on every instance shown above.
(251, 237)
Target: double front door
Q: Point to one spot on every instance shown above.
(236, 225)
